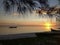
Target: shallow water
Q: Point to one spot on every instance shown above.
(5, 30)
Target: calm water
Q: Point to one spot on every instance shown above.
(22, 29)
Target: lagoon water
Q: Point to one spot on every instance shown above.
(5, 30)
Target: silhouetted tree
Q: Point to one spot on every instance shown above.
(6, 5)
(44, 3)
(22, 5)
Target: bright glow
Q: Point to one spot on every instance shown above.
(48, 25)
(44, 13)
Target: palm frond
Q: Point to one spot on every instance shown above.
(44, 3)
(24, 5)
(6, 5)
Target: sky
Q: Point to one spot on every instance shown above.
(53, 2)
(14, 18)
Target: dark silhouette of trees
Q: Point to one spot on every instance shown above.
(6, 5)
(22, 5)
(27, 5)
(44, 3)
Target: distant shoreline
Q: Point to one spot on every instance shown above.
(23, 25)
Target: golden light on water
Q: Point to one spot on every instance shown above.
(48, 25)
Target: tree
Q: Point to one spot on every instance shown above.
(22, 5)
(6, 5)
(44, 3)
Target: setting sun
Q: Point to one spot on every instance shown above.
(48, 25)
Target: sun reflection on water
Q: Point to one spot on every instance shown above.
(48, 25)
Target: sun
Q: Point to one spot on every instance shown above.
(48, 25)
